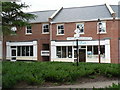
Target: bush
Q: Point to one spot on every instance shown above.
(57, 72)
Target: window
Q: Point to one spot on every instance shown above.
(64, 51)
(80, 26)
(29, 29)
(69, 52)
(58, 52)
(101, 28)
(92, 51)
(45, 28)
(24, 50)
(95, 50)
(102, 49)
(60, 29)
(18, 50)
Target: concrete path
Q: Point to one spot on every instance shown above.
(88, 85)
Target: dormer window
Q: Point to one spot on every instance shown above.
(45, 28)
(80, 26)
(29, 29)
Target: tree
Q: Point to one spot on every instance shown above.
(13, 16)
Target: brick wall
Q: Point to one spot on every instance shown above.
(90, 30)
(36, 35)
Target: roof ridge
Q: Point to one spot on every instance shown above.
(84, 6)
(41, 11)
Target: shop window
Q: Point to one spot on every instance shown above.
(89, 50)
(69, 52)
(59, 52)
(24, 50)
(27, 50)
(64, 51)
(92, 51)
(102, 49)
(31, 50)
(95, 50)
(45, 28)
(60, 29)
(18, 51)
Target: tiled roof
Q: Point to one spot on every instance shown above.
(75, 14)
(82, 13)
(42, 16)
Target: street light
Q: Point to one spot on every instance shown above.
(76, 36)
(99, 30)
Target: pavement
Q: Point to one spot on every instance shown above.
(98, 84)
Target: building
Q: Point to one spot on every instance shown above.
(46, 39)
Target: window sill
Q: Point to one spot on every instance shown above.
(46, 33)
(28, 34)
(82, 33)
(102, 33)
(60, 34)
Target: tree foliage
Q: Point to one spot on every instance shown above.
(13, 16)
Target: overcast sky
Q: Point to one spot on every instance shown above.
(40, 5)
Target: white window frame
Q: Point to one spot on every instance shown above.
(62, 52)
(43, 28)
(28, 29)
(61, 29)
(102, 26)
(83, 27)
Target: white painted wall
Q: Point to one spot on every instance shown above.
(8, 50)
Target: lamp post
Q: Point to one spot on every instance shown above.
(76, 36)
(99, 30)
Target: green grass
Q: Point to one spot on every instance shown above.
(57, 72)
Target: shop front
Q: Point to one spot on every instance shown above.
(66, 51)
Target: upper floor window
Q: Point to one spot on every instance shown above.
(101, 27)
(60, 29)
(45, 28)
(80, 26)
(29, 29)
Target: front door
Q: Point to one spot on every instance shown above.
(82, 55)
(13, 54)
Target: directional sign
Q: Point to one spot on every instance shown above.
(79, 38)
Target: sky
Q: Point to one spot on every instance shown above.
(40, 5)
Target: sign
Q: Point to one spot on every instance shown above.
(79, 38)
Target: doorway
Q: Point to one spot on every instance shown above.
(82, 55)
(13, 54)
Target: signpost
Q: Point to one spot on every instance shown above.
(77, 37)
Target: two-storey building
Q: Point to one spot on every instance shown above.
(47, 38)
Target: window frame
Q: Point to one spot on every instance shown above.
(83, 27)
(61, 52)
(26, 29)
(43, 28)
(103, 27)
(25, 51)
(61, 29)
